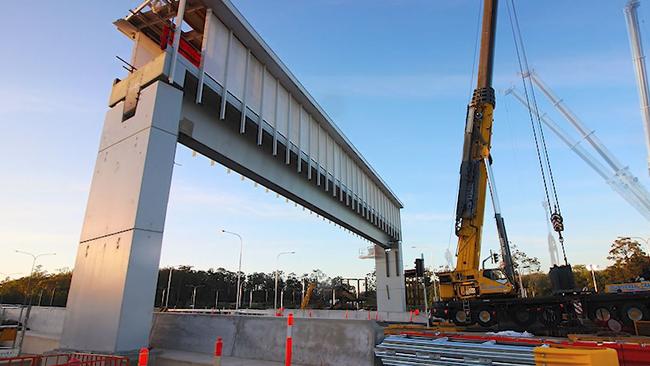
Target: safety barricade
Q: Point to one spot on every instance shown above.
(630, 352)
(410, 350)
(67, 359)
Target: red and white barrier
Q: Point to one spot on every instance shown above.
(143, 357)
(288, 347)
(218, 350)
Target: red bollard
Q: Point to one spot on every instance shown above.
(376, 315)
(368, 314)
(288, 348)
(143, 358)
(411, 316)
(346, 314)
(218, 350)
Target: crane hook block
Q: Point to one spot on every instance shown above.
(557, 221)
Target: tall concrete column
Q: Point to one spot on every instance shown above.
(391, 294)
(110, 305)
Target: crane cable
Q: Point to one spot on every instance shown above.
(542, 156)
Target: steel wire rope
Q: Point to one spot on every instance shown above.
(555, 217)
(538, 117)
(530, 112)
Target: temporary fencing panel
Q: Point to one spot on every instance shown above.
(68, 359)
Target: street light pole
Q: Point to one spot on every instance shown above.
(194, 287)
(52, 297)
(169, 287)
(277, 269)
(241, 249)
(593, 277)
(424, 285)
(31, 272)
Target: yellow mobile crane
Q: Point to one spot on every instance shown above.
(467, 281)
(472, 294)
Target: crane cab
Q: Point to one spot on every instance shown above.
(471, 284)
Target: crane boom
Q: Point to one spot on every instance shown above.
(467, 280)
(638, 58)
(476, 148)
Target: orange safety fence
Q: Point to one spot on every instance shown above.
(66, 359)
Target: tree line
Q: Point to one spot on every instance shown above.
(630, 263)
(40, 288)
(212, 288)
(217, 288)
(191, 287)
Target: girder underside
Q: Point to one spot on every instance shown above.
(221, 140)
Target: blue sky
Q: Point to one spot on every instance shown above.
(394, 75)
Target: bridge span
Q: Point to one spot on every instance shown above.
(219, 89)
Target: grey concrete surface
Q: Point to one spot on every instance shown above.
(180, 358)
(42, 319)
(111, 298)
(188, 339)
(381, 316)
(316, 341)
(39, 343)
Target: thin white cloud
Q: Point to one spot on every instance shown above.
(17, 99)
(561, 71)
(426, 217)
(196, 196)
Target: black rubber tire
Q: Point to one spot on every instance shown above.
(601, 314)
(457, 317)
(485, 316)
(634, 311)
(550, 316)
(523, 316)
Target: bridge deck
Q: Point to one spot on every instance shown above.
(279, 116)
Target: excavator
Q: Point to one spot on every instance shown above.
(470, 293)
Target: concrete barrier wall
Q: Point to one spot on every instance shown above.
(42, 319)
(316, 341)
(327, 338)
(382, 316)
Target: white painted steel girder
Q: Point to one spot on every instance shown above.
(238, 63)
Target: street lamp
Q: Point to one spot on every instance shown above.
(31, 273)
(241, 249)
(194, 287)
(277, 269)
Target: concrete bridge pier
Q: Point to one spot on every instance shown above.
(391, 295)
(110, 305)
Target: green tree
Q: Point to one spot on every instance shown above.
(523, 263)
(582, 276)
(630, 260)
(537, 284)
